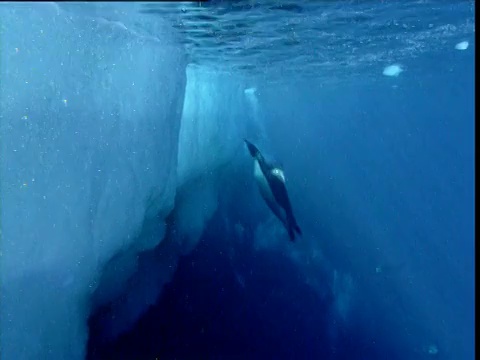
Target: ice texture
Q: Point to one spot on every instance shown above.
(90, 121)
(211, 131)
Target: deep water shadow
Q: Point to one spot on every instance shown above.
(228, 301)
(261, 308)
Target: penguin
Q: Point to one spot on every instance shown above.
(271, 182)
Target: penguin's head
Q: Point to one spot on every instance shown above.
(252, 149)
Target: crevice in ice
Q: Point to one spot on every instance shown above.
(132, 280)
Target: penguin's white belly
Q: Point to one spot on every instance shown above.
(266, 192)
(263, 183)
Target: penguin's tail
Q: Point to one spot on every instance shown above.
(293, 228)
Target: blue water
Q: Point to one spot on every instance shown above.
(380, 173)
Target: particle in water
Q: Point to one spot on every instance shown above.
(462, 45)
(432, 349)
(392, 70)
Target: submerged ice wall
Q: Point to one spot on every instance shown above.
(90, 119)
(98, 146)
(212, 125)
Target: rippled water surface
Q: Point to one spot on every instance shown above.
(315, 37)
(310, 38)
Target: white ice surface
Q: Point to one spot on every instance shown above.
(213, 122)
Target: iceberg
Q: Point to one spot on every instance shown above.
(210, 135)
(107, 134)
(90, 124)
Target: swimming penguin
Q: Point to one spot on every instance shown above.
(271, 181)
